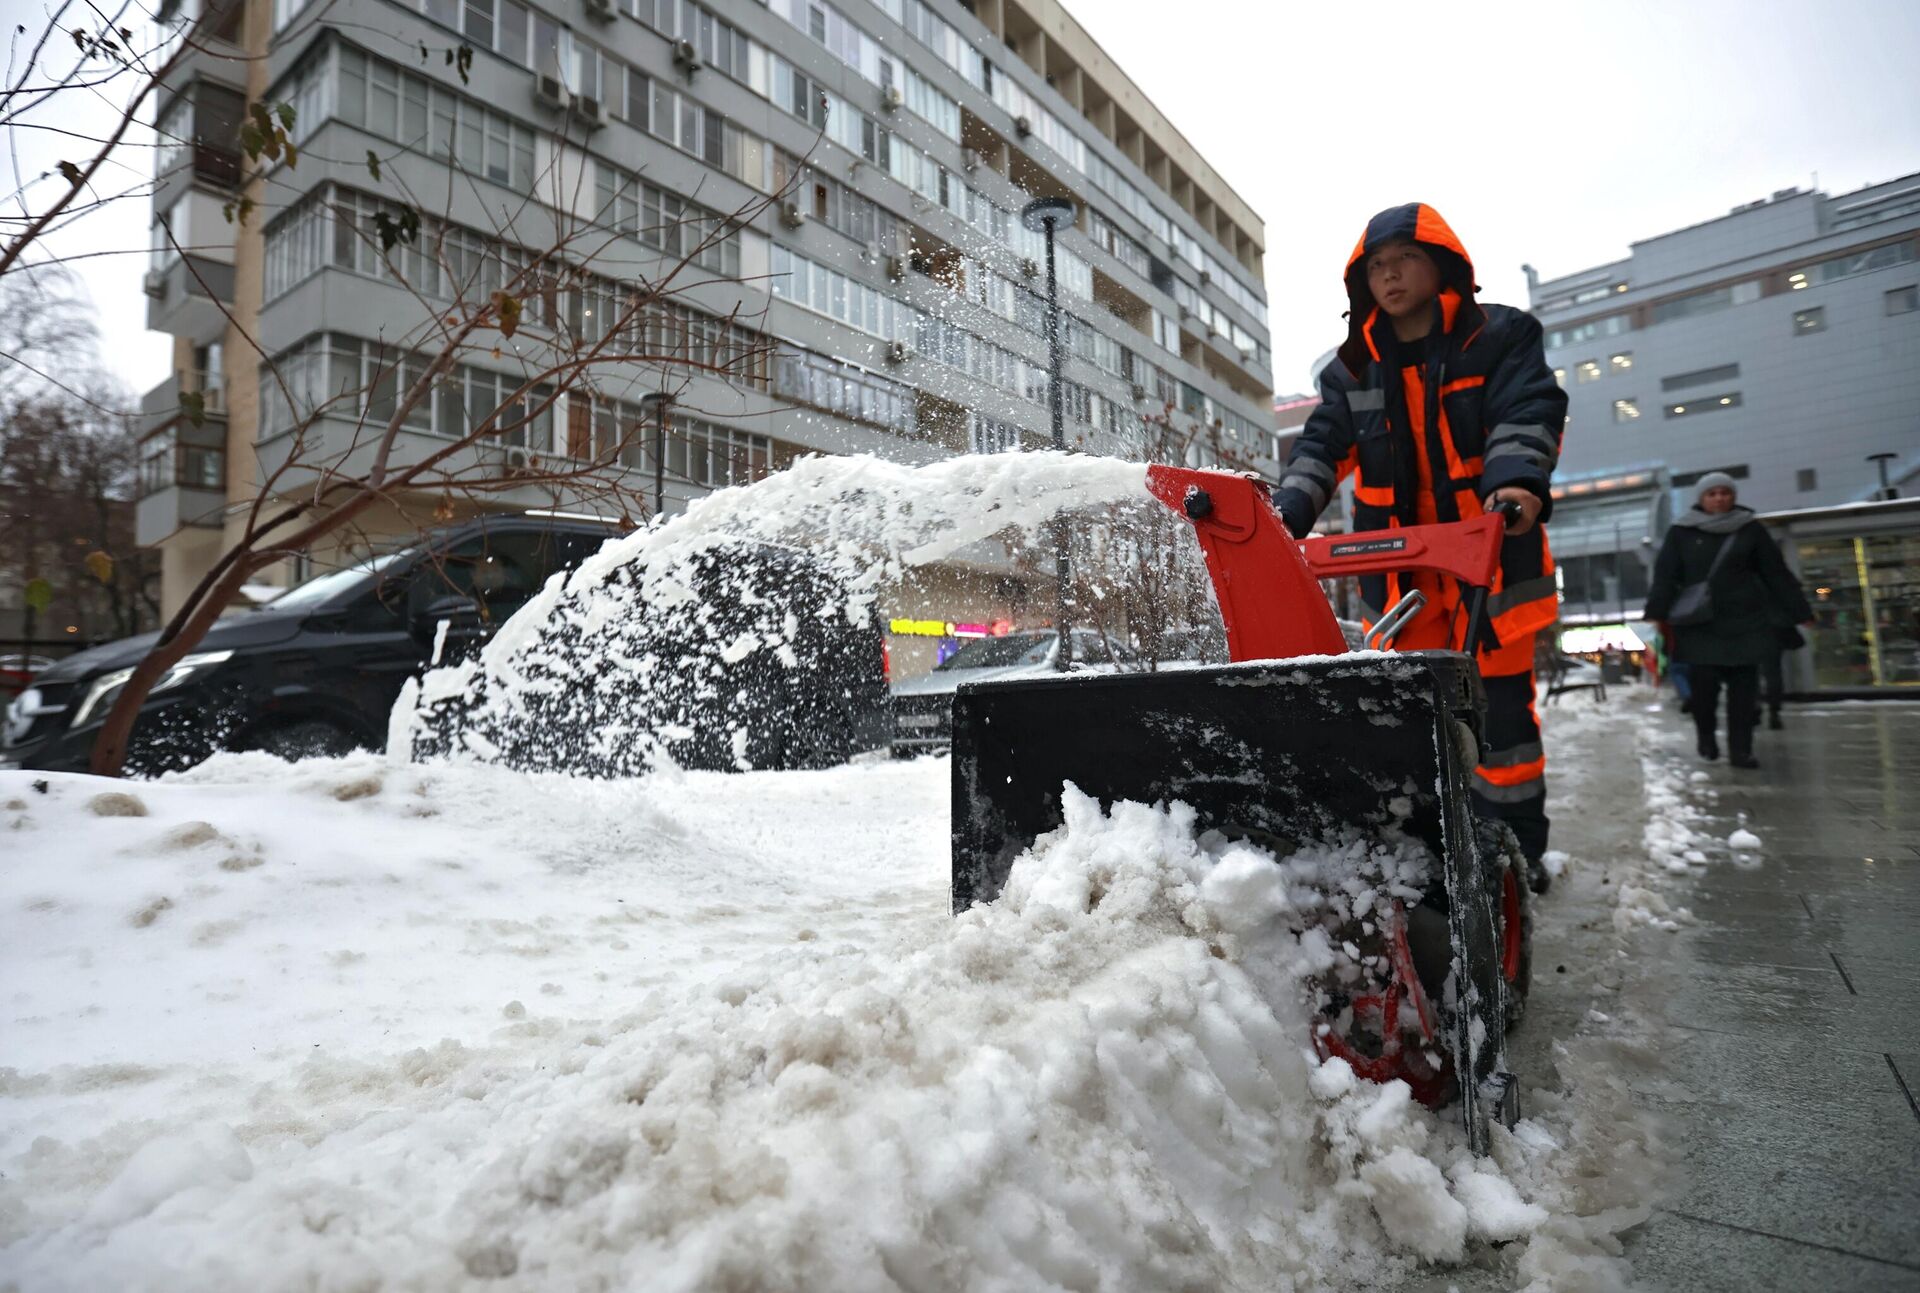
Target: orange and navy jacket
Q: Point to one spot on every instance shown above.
(1431, 440)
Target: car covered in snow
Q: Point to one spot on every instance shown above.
(316, 670)
(922, 719)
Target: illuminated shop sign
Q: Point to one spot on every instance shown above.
(948, 629)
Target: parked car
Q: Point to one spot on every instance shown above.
(923, 707)
(313, 672)
(18, 671)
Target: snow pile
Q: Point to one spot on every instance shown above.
(731, 635)
(1099, 1080)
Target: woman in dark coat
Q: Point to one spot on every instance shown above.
(1751, 591)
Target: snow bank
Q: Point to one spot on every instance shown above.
(1097, 1081)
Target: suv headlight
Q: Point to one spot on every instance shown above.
(108, 685)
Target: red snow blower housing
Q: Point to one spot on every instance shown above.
(1296, 741)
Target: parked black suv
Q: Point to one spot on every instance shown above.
(316, 670)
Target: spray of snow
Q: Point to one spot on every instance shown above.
(690, 641)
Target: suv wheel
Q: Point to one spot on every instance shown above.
(310, 738)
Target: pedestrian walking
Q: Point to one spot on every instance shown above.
(1446, 408)
(1786, 638)
(1720, 589)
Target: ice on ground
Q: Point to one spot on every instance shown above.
(1743, 839)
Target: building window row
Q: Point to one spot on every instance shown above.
(821, 197)
(1612, 326)
(533, 40)
(990, 435)
(1710, 301)
(848, 42)
(1697, 405)
(1700, 377)
(666, 222)
(1886, 256)
(844, 389)
(349, 377)
(165, 462)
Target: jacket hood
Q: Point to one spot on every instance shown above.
(1420, 224)
(229, 633)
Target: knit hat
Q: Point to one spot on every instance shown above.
(1713, 480)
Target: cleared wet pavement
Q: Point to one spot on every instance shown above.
(1792, 1014)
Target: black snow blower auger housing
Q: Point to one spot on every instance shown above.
(1298, 740)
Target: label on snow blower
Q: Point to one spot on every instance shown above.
(1366, 547)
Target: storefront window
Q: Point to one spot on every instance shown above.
(1866, 603)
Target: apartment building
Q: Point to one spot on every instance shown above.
(891, 293)
(1779, 343)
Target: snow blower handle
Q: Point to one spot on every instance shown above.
(1267, 582)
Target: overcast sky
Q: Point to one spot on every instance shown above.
(1547, 133)
(1551, 134)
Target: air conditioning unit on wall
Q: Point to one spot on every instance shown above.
(154, 284)
(601, 9)
(549, 92)
(891, 98)
(589, 111)
(899, 352)
(686, 57)
(970, 158)
(792, 216)
(1022, 127)
(896, 268)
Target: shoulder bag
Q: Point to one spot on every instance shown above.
(1694, 605)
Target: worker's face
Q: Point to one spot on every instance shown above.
(1717, 500)
(1402, 278)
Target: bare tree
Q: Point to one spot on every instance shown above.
(66, 514)
(557, 331)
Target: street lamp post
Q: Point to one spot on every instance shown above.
(1044, 216)
(1879, 460)
(659, 401)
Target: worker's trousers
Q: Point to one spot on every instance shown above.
(1510, 783)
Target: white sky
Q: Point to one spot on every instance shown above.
(1548, 133)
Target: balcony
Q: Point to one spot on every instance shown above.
(163, 406)
(183, 481)
(182, 294)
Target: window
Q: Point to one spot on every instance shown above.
(1903, 300)
(1560, 376)
(1611, 326)
(1806, 480)
(1700, 377)
(1626, 410)
(1707, 302)
(1704, 404)
(1587, 370)
(1814, 320)
(1859, 262)
(987, 435)
(1621, 363)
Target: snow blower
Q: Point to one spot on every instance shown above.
(1297, 741)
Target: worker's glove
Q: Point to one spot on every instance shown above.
(1295, 514)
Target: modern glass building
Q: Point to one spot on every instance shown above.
(852, 171)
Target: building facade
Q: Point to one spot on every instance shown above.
(862, 164)
(1779, 343)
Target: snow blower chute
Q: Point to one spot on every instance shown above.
(1297, 741)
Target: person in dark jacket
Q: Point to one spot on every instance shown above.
(1445, 408)
(1750, 592)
